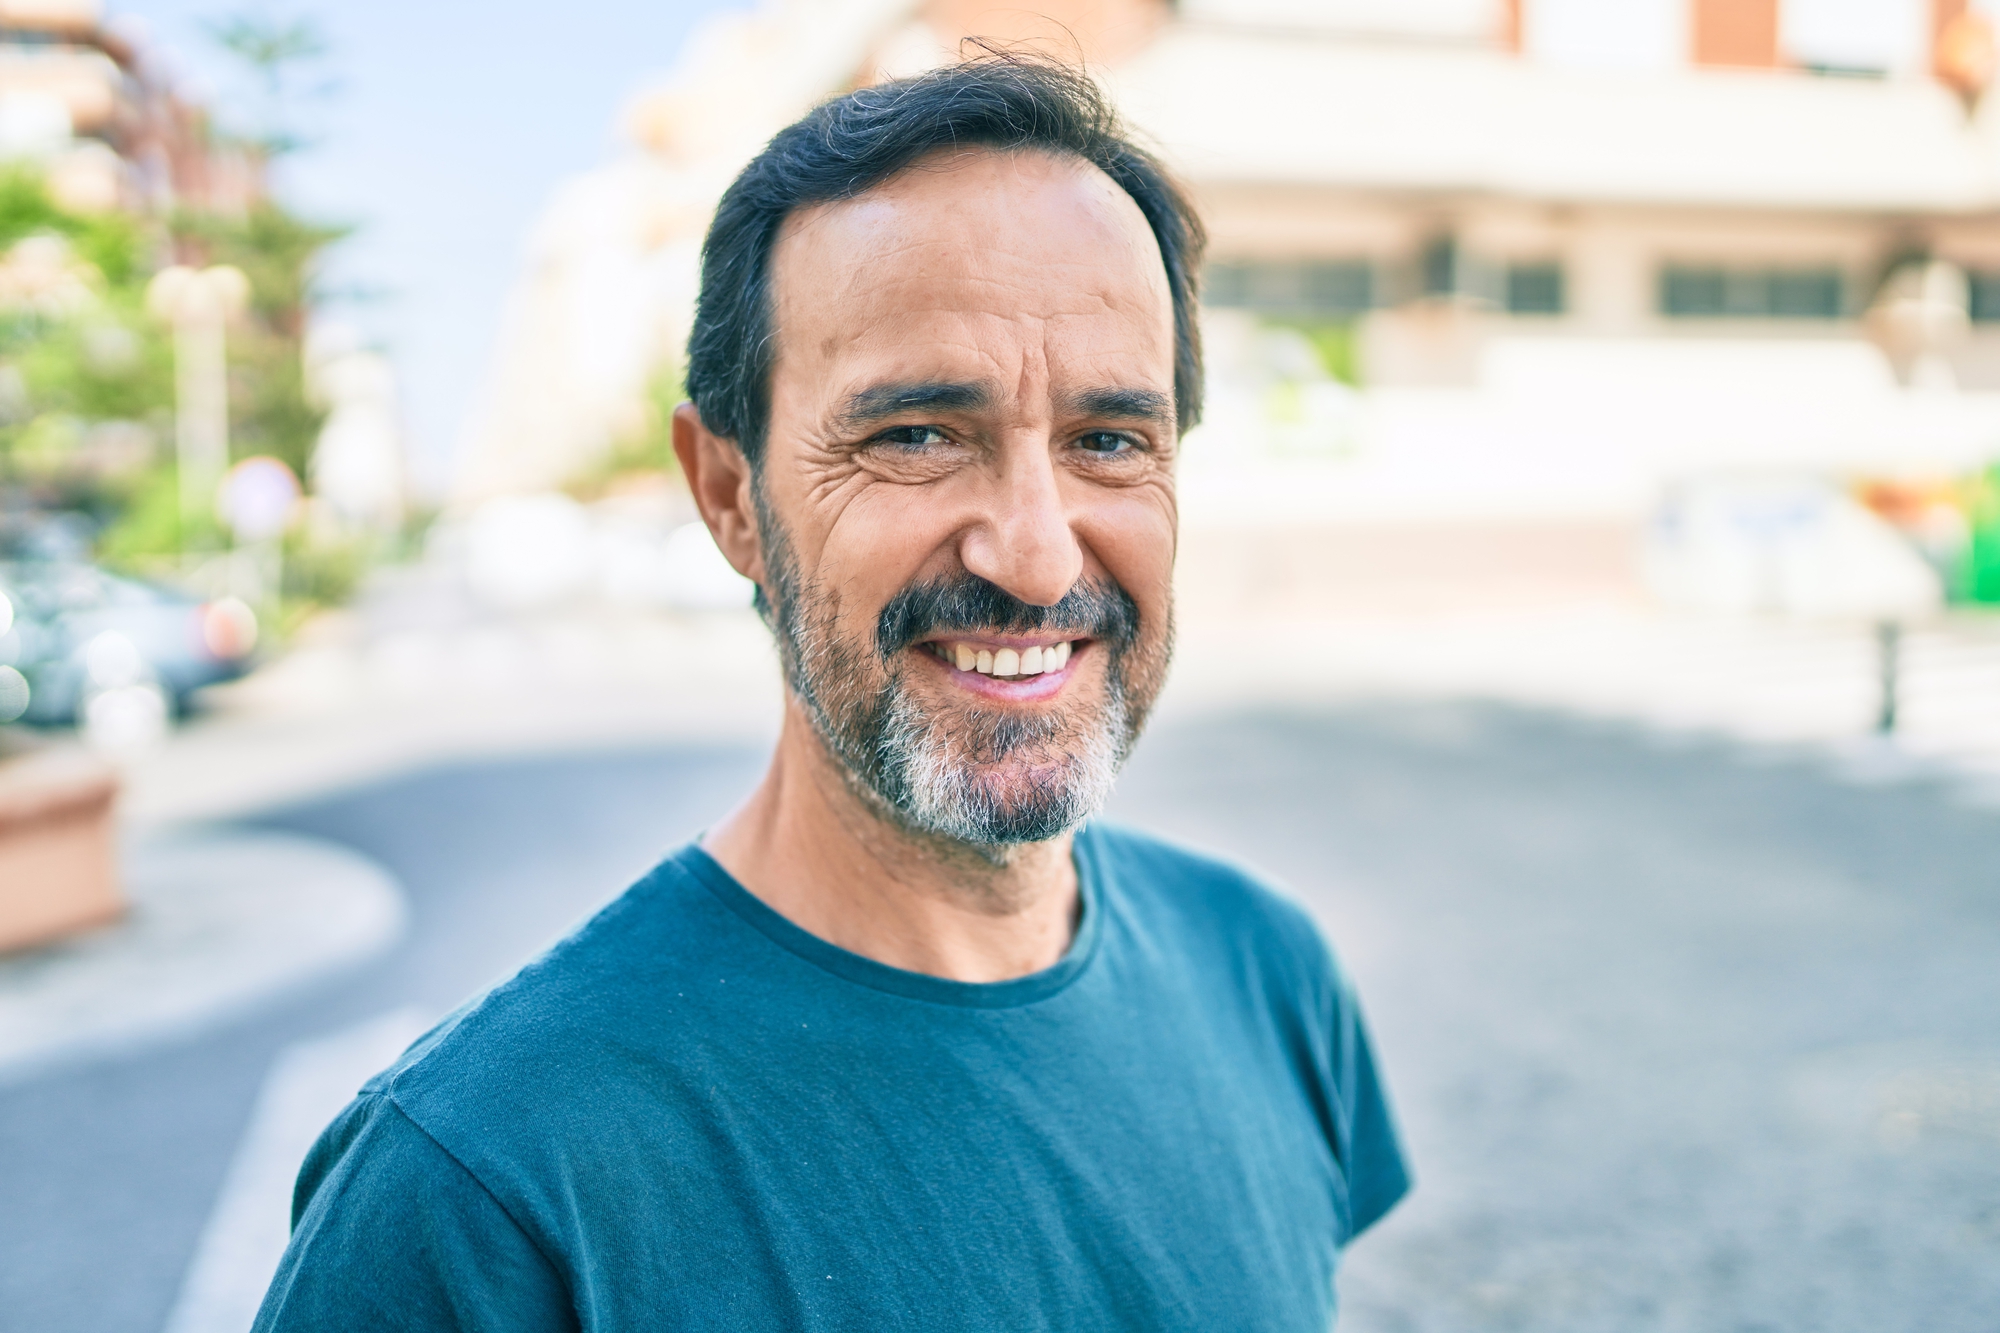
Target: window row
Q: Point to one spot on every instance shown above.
(1704, 292)
(1345, 288)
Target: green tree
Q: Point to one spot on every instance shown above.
(270, 412)
(277, 53)
(111, 242)
(86, 382)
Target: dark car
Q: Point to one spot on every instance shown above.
(78, 631)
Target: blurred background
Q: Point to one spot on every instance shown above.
(1586, 594)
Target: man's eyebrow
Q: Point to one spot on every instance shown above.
(878, 402)
(1120, 404)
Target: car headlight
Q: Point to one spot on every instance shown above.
(14, 694)
(111, 659)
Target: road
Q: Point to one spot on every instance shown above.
(1683, 1035)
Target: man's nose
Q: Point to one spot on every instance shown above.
(1024, 543)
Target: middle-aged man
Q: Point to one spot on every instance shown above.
(903, 1043)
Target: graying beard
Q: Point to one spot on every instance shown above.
(923, 772)
(916, 772)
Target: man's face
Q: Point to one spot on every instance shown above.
(966, 498)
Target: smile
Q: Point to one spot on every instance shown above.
(1006, 662)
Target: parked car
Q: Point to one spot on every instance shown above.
(75, 634)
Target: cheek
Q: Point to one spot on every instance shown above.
(886, 539)
(1133, 534)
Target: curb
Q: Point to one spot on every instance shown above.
(220, 920)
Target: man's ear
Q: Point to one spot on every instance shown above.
(719, 476)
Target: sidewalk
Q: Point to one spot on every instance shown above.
(219, 922)
(1554, 616)
(357, 701)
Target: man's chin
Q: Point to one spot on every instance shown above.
(990, 829)
(999, 804)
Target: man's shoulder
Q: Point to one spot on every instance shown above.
(571, 1012)
(1219, 898)
(1147, 864)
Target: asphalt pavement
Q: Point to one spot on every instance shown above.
(1683, 1034)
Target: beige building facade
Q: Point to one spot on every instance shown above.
(1468, 256)
(1514, 177)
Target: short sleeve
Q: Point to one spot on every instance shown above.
(391, 1232)
(1377, 1175)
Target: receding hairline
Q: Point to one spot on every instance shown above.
(954, 158)
(1002, 105)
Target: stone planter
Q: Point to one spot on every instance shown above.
(58, 862)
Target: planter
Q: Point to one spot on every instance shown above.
(58, 861)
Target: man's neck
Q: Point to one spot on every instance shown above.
(818, 853)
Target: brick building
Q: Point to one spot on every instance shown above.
(93, 110)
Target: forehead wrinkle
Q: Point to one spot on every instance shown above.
(953, 312)
(864, 267)
(985, 296)
(1034, 354)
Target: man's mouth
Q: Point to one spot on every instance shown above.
(1014, 661)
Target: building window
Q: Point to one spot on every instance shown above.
(1437, 267)
(1982, 295)
(1534, 289)
(1804, 294)
(1699, 292)
(31, 41)
(1843, 37)
(1345, 288)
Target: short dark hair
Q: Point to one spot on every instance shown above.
(850, 144)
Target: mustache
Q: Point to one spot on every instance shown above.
(1091, 609)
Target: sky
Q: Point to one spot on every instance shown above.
(448, 124)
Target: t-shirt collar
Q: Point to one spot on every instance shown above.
(862, 971)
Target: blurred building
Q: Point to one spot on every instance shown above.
(1674, 168)
(358, 469)
(90, 108)
(1467, 255)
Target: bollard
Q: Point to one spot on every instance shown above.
(1889, 651)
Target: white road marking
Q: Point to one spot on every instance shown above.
(246, 1232)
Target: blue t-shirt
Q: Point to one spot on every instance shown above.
(692, 1114)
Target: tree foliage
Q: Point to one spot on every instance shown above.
(276, 51)
(87, 373)
(270, 410)
(86, 381)
(87, 389)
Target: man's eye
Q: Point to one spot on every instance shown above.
(913, 437)
(1105, 442)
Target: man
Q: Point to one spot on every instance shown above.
(898, 1044)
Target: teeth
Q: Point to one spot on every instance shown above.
(1008, 662)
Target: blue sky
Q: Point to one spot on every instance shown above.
(451, 123)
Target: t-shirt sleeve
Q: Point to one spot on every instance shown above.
(1377, 1174)
(389, 1231)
